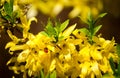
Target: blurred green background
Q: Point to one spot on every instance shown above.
(110, 22)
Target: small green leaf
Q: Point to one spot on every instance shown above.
(61, 37)
(112, 64)
(102, 15)
(90, 18)
(50, 29)
(6, 7)
(7, 17)
(15, 14)
(53, 74)
(11, 4)
(118, 52)
(0, 14)
(41, 74)
(106, 75)
(48, 75)
(64, 25)
(9, 7)
(83, 20)
(96, 29)
(57, 27)
(118, 72)
(44, 33)
(84, 31)
(99, 17)
(118, 49)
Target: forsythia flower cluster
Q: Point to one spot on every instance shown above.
(12, 10)
(71, 56)
(54, 7)
(66, 51)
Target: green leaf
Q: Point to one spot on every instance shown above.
(64, 25)
(6, 7)
(57, 27)
(50, 29)
(106, 75)
(118, 49)
(99, 17)
(0, 14)
(9, 7)
(44, 33)
(102, 15)
(7, 17)
(41, 74)
(118, 72)
(96, 29)
(112, 64)
(61, 37)
(118, 52)
(11, 4)
(83, 20)
(53, 74)
(48, 75)
(92, 29)
(84, 31)
(15, 14)
(90, 18)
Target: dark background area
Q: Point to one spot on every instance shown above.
(110, 29)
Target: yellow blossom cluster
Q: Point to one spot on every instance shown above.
(68, 51)
(54, 7)
(72, 56)
(30, 8)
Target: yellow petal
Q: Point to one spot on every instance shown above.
(32, 12)
(15, 69)
(104, 66)
(75, 12)
(31, 19)
(14, 38)
(57, 9)
(18, 47)
(13, 59)
(96, 55)
(96, 70)
(68, 31)
(30, 72)
(68, 57)
(26, 25)
(9, 44)
(84, 54)
(23, 55)
(84, 69)
(53, 65)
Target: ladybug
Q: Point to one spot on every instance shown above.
(46, 50)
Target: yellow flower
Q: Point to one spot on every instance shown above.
(26, 25)
(95, 54)
(105, 66)
(72, 56)
(96, 70)
(52, 65)
(53, 7)
(23, 55)
(84, 69)
(33, 54)
(82, 8)
(85, 54)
